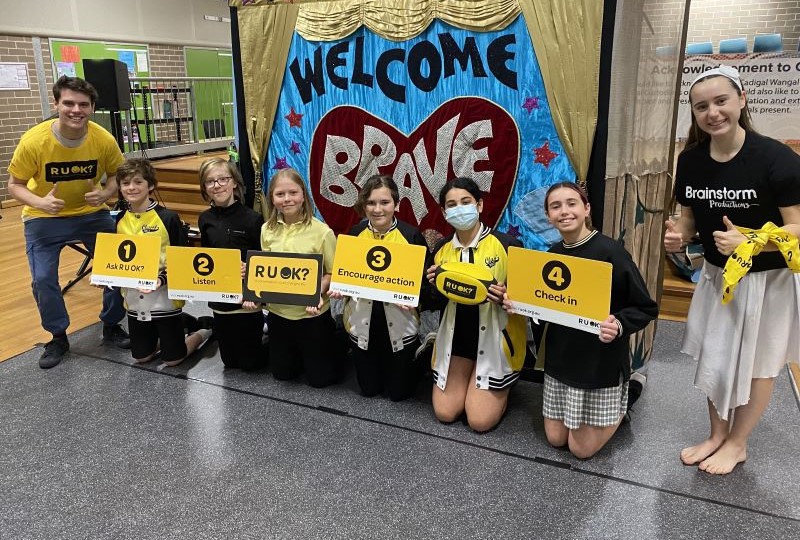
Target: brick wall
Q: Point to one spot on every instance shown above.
(168, 61)
(713, 20)
(19, 109)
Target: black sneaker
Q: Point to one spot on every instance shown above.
(635, 387)
(54, 351)
(117, 336)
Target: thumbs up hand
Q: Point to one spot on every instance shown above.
(673, 239)
(95, 196)
(728, 240)
(50, 203)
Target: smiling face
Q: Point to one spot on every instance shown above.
(567, 212)
(379, 209)
(287, 197)
(136, 191)
(717, 106)
(219, 185)
(74, 109)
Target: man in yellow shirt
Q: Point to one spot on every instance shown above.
(56, 172)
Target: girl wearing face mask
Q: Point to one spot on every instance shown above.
(385, 336)
(479, 349)
(230, 224)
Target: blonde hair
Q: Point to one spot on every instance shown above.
(232, 170)
(272, 212)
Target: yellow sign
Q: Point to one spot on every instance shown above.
(283, 278)
(570, 291)
(122, 260)
(383, 271)
(207, 274)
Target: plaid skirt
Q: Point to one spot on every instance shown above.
(598, 407)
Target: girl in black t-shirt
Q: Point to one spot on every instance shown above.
(587, 375)
(731, 176)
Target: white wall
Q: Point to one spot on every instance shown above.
(139, 21)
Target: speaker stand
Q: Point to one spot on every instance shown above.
(116, 130)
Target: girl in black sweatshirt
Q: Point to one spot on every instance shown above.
(586, 376)
(230, 224)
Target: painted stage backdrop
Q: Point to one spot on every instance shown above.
(443, 104)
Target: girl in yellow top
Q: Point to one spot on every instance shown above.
(300, 337)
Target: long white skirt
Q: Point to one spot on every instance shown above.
(751, 337)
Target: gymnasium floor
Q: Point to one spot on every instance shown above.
(96, 448)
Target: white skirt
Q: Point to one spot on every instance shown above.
(751, 337)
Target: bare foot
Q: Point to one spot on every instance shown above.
(695, 454)
(725, 459)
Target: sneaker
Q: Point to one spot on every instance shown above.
(635, 387)
(426, 345)
(54, 351)
(117, 336)
(206, 323)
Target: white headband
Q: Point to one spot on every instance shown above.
(728, 72)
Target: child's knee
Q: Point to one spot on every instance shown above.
(582, 449)
(447, 413)
(556, 432)
(482, 423)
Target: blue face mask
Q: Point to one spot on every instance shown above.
(462, 217)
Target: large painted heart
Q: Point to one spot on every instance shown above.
(466, 136)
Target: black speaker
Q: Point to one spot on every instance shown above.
(110, 78)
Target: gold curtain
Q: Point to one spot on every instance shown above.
(264, 39)
(566, 38)
(566, 41)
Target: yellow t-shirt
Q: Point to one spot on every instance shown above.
(316, 237)
(42, 159)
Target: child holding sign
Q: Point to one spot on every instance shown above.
(385, 336)
(479, 349)
(230, 224)
(154, 321)
(301, 338)
(586, 376)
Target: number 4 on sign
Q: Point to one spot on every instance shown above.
(555, 276)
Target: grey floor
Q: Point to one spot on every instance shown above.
(96, 448)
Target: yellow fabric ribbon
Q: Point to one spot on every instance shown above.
(741, 260)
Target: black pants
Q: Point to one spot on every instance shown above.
(239, 336)
(379, 368)
(306, 345)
